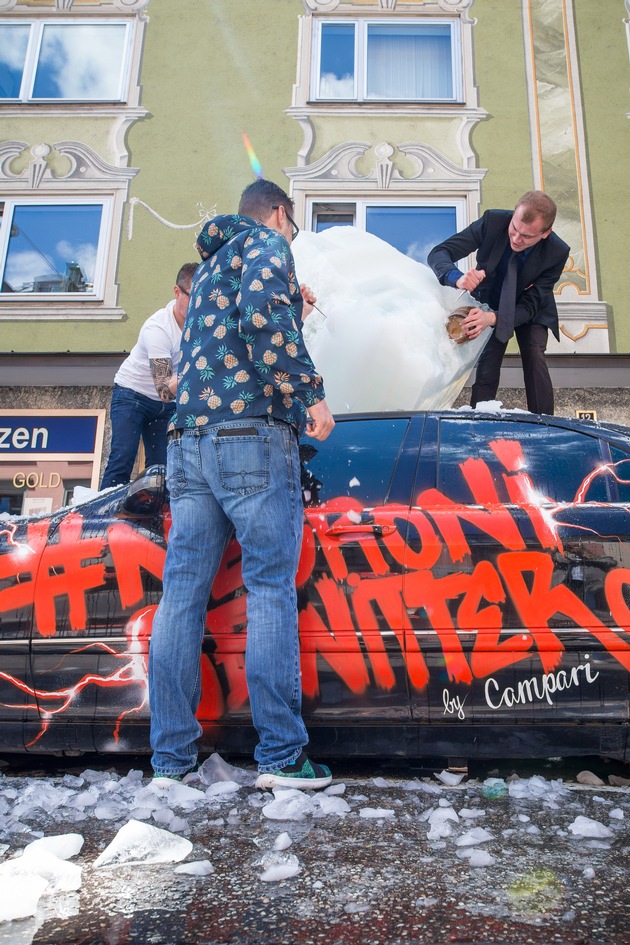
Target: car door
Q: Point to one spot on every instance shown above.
(509, 631)
(353, 623)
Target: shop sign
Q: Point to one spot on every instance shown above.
(44, 434)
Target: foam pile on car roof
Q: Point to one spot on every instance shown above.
(381, 343)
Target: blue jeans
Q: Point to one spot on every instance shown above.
(133, 416)
(247, 484)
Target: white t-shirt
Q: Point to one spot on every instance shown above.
(159, 337)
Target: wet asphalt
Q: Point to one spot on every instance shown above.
(377, 881)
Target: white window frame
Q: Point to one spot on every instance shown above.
(360, 60)
(104, 239)
(32, 59)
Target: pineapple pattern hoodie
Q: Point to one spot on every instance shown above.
(242, 351)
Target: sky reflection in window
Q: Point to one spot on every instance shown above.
(52, 248)
(80, 61)
(414, 231)
(13, 46)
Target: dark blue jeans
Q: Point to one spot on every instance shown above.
(133, 416)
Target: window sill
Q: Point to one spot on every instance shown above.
(62, 311)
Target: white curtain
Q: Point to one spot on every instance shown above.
(409, 62)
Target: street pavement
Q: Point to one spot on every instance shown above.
(496, 858)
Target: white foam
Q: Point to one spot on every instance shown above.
(382, 344)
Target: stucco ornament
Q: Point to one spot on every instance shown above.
(135, 6)
(38, 165)
(6, 5)
(83, 164)
(457, 6)
(384, 166)
(320, 6)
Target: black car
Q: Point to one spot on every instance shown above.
(464, 591)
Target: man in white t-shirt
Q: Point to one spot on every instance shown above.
(143, 399)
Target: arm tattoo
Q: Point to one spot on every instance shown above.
(161, 371)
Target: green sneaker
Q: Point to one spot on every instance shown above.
(303, 773)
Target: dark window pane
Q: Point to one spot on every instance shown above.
(13, 45)
(356, 460)
(414, 231)
(336, 76)
(324, 221)
(621, 473)
(558, 461)
(52, 248)
(80, 61)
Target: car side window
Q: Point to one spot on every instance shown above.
(621, 472)
(356, 460)
(558, 460)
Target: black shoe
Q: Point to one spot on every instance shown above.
(301, 774)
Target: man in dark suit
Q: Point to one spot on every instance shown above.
(519, 260)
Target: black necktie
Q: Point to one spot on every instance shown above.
(507, 302)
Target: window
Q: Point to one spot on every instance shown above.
(558, 461)
(356, 460)
(411, 228)
(53, 246)
(621, 473)
(76, 61)
(372, 60)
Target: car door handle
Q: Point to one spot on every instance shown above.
(337, 530)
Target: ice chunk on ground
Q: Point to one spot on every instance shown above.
(332, 805)
(588, 872)
(178, 794)
(481, 858)
(376, 813)
(471, 813)
(289, 804)
(616, 813)
(222, 788)
(64, 846)
(474, 836)
(449, 777)
(537, 787)
(215, 768)
(137, 842)
(19, 896)
(440, 820)
(282, 841)
(196, 868)
(279, 866)
(60, 875)
(107, 811)
(339, 788)
(585, 827)
(385, 317)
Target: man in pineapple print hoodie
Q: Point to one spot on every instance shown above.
(246, 390)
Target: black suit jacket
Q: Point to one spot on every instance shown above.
(541, 270)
